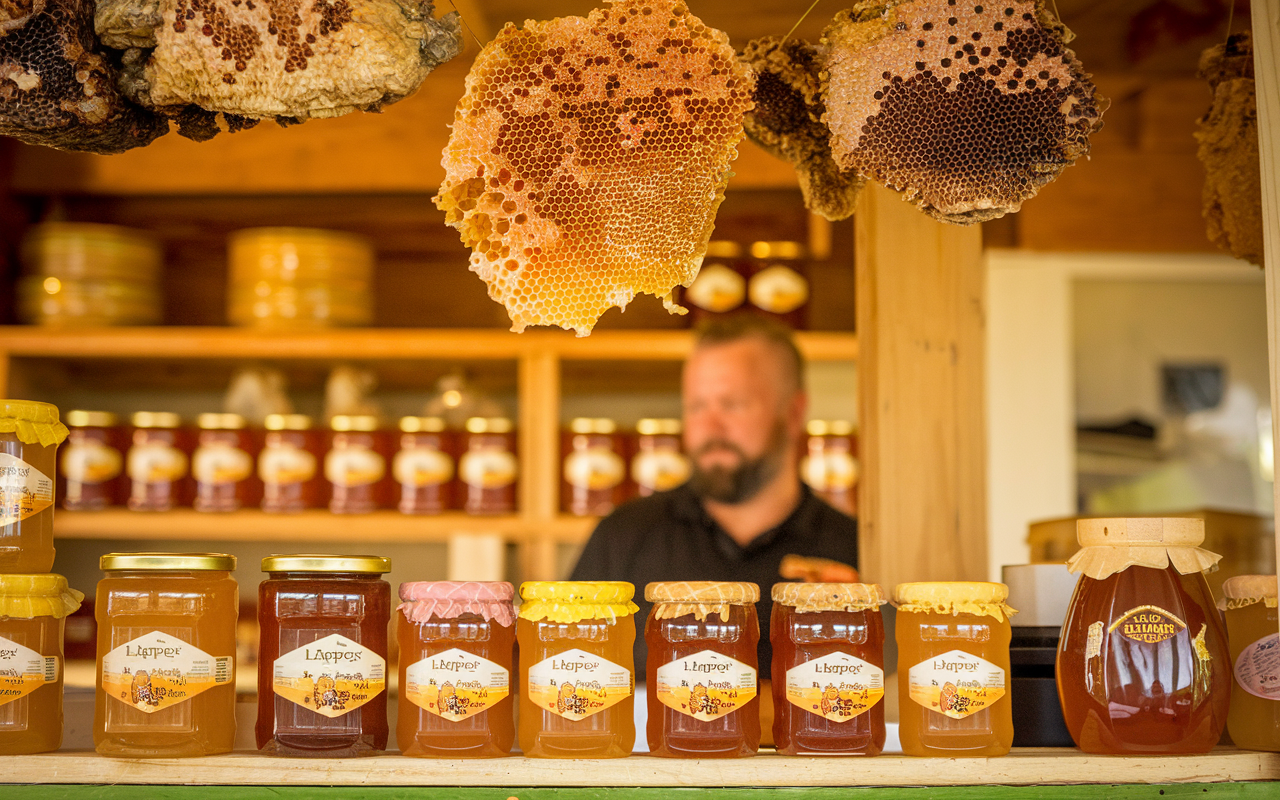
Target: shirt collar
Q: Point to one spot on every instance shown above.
(689, 507)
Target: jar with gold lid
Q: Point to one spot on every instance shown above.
(157, 462)
(487, 467)
(424, 465)
(29, 437)
(92, 462)
(721, 285)
(659, 463)
(594, 469)
(288, 465)
(222, 464)
(1250, 608)
(778, 282)
(356, 464)
(33, 609)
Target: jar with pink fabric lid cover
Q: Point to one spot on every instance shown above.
(457, 654)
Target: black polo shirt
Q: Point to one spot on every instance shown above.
(669, 536)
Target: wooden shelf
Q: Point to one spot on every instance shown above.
(1021, 767)
(311, 526)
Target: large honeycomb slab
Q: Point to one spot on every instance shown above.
(588, 158)
(967, 107)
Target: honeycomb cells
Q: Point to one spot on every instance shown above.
(964, 106)
(588, 158)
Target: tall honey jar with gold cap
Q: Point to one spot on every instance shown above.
(575, 643)
(30, 433)
(828, 668)
(953, 668)
(1143, 666)
(32, 612)
(702, 675)
(1249, 605)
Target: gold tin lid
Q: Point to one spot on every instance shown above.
(599, 425)
(722, 248)
(91, 419)
(811, 597)
(42, 595)
(653, 426)
(287, 422)
(489, 425)
(32, 422)
(1245, 590)
(156, 419)
(817, 427)
(781, 250)
(954, 597)
(319, 562)
(422, 424)
(169, 562)
(220, 422)
(354, 422)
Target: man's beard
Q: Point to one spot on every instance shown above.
(734, 485)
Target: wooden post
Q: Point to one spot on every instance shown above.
(539, 380)
(1266, 70)
(920, 308)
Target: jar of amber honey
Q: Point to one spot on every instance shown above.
(702, 673)
(166, 655)
(953, 669)
(32, 611)
(457, 652)
(487, 467)
(288, 465)
(575, 641)
(1249, 604)
(92, 462)
(1143, 663)
(157, 462)
(356, 465)
(222, 464)
(29, 437)
(423, 466)
(778, 282)
(322, 655)
(658, 464)
(594, 475)
(830, 466)
(828, 668)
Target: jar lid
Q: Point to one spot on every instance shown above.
(659, 427)
(32, 422)
(700, 598)
(600, 425)
(287, 422)
(574, 601)
(829, 427)
(723, 248)
(811, 597)
(489, 425)
(1113, 544)
(422, 424)
(220, 422)
(954, 597)
(781, 250)
(44, 595)
(354, 422)
(173, 562)
(451, 599)
(91, 419)
(156, 419)
(1245, 590)
(318, 562)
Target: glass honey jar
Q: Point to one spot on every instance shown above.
(830, 467)
(828, 668)
(29, 437)
(1249, 605)
(423, 466)
(702, 676)
(575, 641)
(658, 464)
(953, 669)
(1143, 665)
(594, 471)
(157, 462)
(32, 611)
(288, 465)
(356, 465)
(222, 464)
(166, 655)
(322, 655)
(92, 462)
(457, 652)
(487, 467)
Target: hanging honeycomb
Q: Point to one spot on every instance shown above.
(965, 107)
(1228, 139)
(588, 158)
(787, 122)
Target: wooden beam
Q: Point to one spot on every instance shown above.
(920, 320)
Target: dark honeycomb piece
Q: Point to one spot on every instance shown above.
(787, 122)
(967, 108)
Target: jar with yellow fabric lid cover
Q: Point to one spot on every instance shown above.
(32, 611)
(576, 639)
(1250, 607)
(29, 437)
(953, 669)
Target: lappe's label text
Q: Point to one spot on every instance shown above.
(330, 676)
(24, 490)
(23, 670)
(456, 684)
(576, 684)
(156, 670)
(956, 684)
(838, 687)
(706, 685)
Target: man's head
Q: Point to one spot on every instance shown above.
(744, 406)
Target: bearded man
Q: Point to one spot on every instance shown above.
(744, 507)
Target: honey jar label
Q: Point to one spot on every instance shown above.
(158, 670)
(660, 470)
(23, 670)
(1258, 668)
(1093, 642)
(706, 685)
(91, 461)
(456, 684)
(778, 289)
(284, 463)
(422, 466)
(1148, 625)
(221, 464)
(155, 462)
(330, 676)
(596, 469)
(717, 289)
(487, 469)
(576, 684)
(24, 490)
(956, 684)
(354, 466)
(838, 687)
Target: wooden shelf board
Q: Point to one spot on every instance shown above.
(310, 526)
(1022, 767)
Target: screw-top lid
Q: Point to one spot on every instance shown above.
(91, 419)
(319, 562)
(354, 422)
(170, 562)
(422, 424)
(488, 425)
(1111, 545)
(220, 422)
(780, 250)
(659, 427)
(43, 595)
(811, 597)
(287, 422)
(574, 601)
(599, 425)
(156, 419)
(1245, 590)
(32, 422)
(954, 597)
(723, 248)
